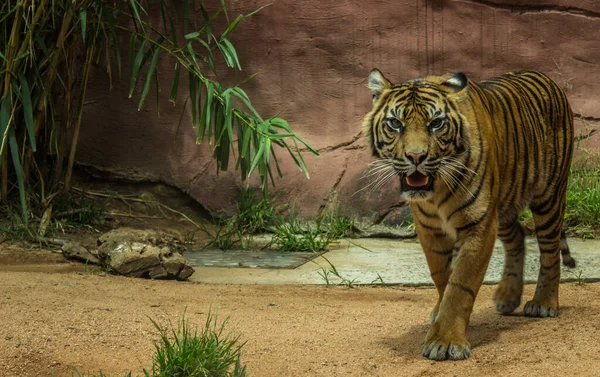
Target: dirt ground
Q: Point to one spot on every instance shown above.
(56, 314)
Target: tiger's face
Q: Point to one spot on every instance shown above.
(417, 131)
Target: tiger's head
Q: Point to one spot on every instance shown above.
(417, 131)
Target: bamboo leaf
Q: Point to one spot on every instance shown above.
(136, 67)
(136, 6)
(211, 58)
(181, 116)
(242, 161)
(231, 26)
(192, 82)
(205, 123)
(257, 10)
(83, 20)
(234, 58)
(190, 49)
(248, 78)
(151, 71)
(5, 109)
(193, 35)
(28, 109)
(226, 55)
(244, 153)
(257, 156)
(279, 173)
(14, 152)
(224, 7)
(239, 92)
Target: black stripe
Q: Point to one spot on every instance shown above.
(473, 223)
(465, 289)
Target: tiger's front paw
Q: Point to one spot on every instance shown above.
(445, 346)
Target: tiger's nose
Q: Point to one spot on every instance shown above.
(416, 157)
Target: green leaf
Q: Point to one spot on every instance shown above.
(244, 153)
(5, 109)
(193, 35)
(231, 26)
(14, 152)
(193, 82)
(190, 49)
(175, 86)
(257, 10)
(135, 6)
(242, 141)
(211, 58)
(205, 123)
(239, 92)
(181, 116)
(226, 55)
(234, 58)
(258, 156)
(151, 71)
(279, 173)
(136, 67)
(224, 7)
(83, 20)
(28, 109)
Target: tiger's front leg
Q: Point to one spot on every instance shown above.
(446, 338)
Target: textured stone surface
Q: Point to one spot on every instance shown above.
(73, 250)
(142, 253)
(312, 59)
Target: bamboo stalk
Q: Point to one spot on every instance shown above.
(84, 85)
(4, 194)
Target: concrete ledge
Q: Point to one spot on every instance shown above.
(371, 261)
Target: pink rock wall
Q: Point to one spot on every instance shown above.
(313, 57)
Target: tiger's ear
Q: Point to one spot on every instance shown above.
(456, 83)
(377, 83)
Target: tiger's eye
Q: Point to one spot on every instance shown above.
(394, 124)
(437, 124)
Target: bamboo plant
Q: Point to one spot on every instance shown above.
(47, 50)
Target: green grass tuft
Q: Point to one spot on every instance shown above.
(582, 215)
(185, 352)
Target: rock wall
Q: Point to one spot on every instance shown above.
(313, 57)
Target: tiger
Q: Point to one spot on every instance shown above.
(470, 157)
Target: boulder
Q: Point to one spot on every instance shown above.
(143, 253)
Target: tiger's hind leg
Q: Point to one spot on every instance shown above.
(508, 294)
(548, 219)
(565, 252)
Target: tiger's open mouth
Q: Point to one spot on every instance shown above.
(417, 181)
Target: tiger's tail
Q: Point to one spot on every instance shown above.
(565, 252)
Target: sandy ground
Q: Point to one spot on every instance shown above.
(56, 314)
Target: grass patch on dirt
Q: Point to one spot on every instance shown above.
(185, 352)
